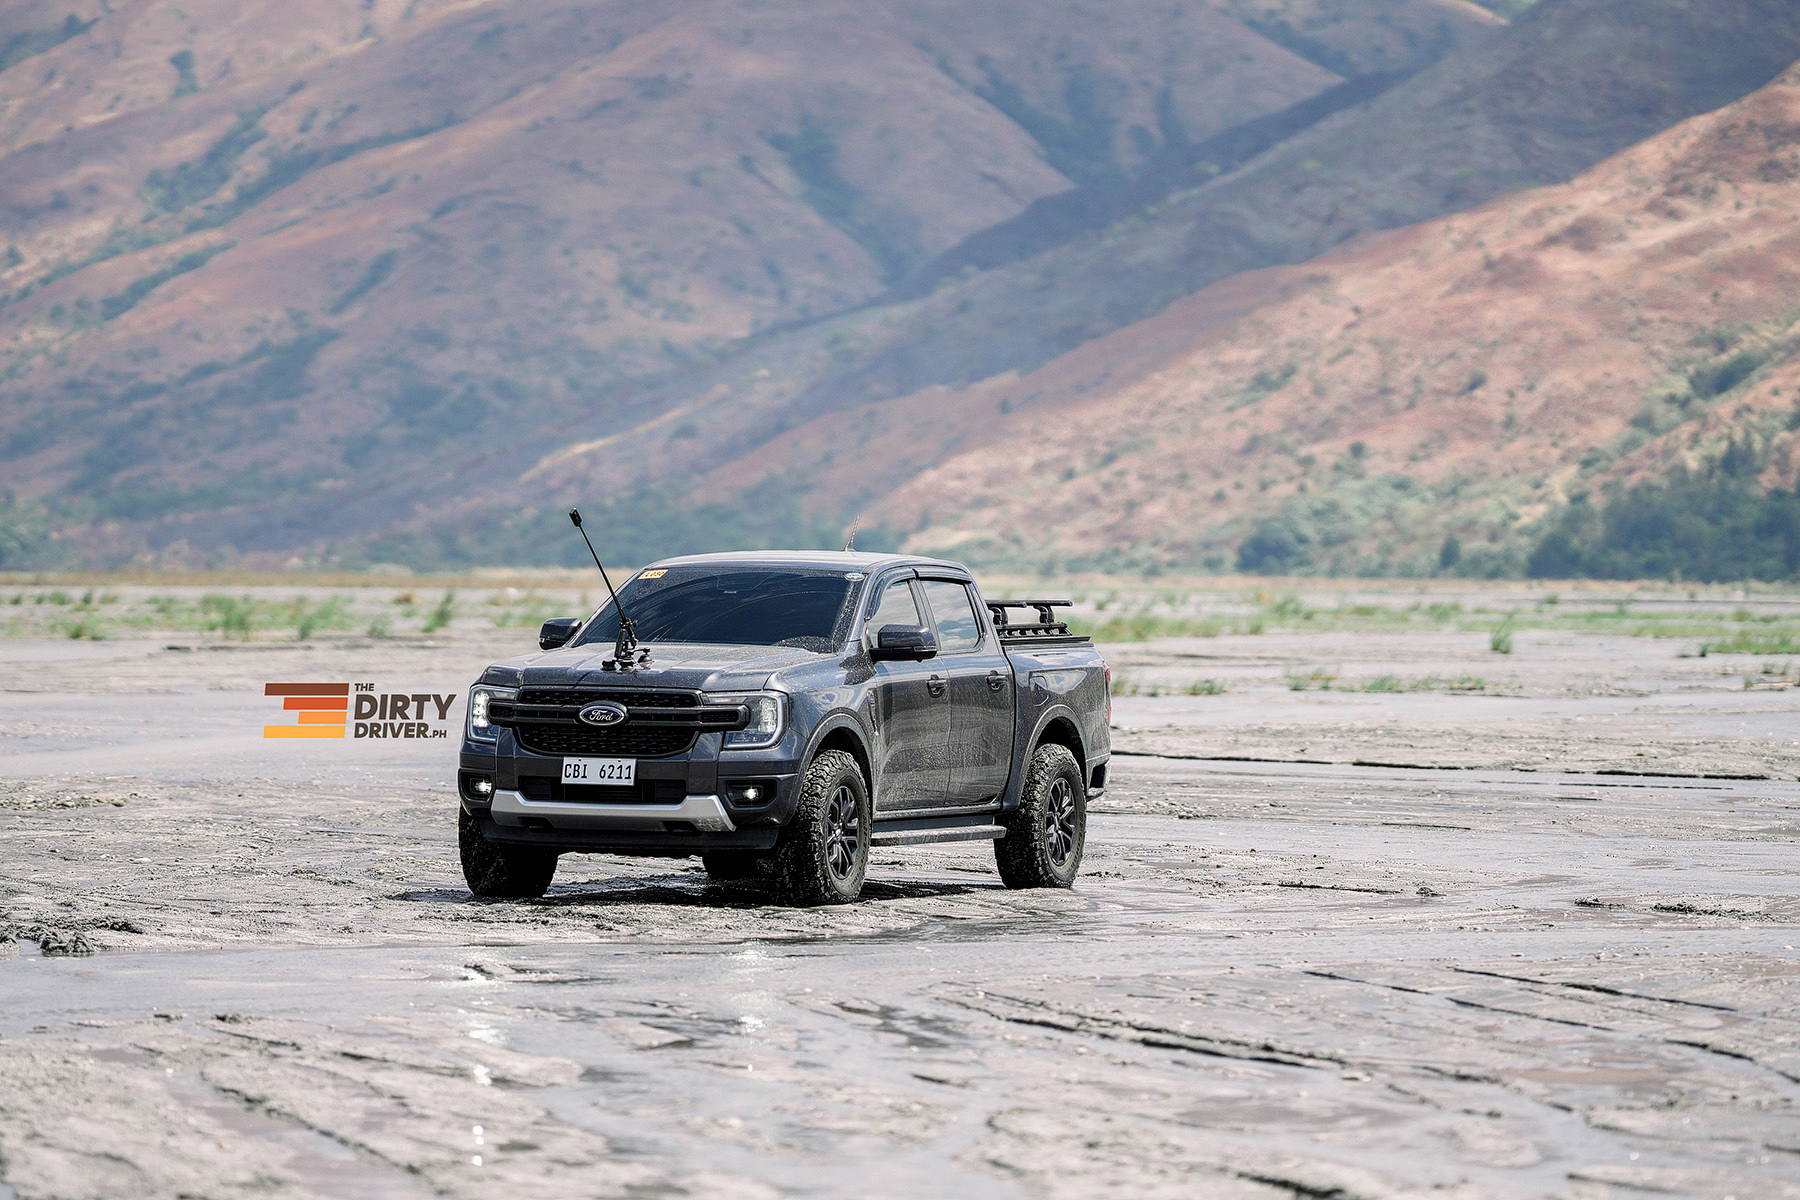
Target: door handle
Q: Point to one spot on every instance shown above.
(936, 684)
(996, 681)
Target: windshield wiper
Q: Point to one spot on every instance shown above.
(627, 654)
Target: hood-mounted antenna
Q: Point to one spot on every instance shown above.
(627, 655)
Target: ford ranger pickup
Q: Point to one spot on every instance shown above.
(778, 713)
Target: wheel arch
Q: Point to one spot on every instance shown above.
(842, 733)
(1059, 729)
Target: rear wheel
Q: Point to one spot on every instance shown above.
(727, 865)
(823, 854)
(502, 872)
(1046, 834)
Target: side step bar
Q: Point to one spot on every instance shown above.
(918, 837)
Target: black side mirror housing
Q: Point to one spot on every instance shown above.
(906, 643)
(557, 631)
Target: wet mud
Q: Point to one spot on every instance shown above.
(1540, 942)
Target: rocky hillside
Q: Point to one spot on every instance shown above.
(295, 252)
(1435, 398)
(381, 279)
(851, 409)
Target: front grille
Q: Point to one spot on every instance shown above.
(628, 699)
(562, 736)
(622, 741)
(545, 789)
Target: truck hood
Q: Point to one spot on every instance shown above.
(705, 666)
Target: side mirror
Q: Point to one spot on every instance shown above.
(907, 643)
(557, 631)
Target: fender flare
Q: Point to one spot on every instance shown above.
(842, 719)
(1015, 786)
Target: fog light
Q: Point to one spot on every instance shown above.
(482, 787)
(748, 795)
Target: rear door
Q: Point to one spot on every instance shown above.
(912, 710)
(981, 693)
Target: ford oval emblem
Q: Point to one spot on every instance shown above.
(603, 714)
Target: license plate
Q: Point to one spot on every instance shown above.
(616, 772)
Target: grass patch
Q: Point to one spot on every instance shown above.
(1142, 627)
(1753, 642)
(309, 619)
(1428, 683)
(228, 616)
(443, 614)
(1319, 677)
(1127, 685)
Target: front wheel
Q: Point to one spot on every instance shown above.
(823, 854)
(1046, 834)
(502, 872)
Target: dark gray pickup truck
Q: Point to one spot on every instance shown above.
(784, 712)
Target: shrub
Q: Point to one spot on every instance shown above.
(308, 620)
(228, 616)
(442, 614)
(1712, 379)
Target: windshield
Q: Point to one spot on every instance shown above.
(733, 606)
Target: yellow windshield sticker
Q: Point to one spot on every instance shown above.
(656, 574)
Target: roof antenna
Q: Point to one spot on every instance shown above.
(626, 654)
(850, 542)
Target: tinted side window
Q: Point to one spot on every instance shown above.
(896, 607)
(956, 624)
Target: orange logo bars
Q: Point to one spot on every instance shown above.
(322, 708)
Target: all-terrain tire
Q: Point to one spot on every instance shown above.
(723, 866)
(823, 854)
(502, 872)
(1046, 834)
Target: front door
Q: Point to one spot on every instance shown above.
(912, 714)
(981, 694)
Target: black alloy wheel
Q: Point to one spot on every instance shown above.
(1059, 822)
(843, 833)
(1047, 833)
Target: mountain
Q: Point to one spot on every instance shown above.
(1564, 86)
(260, 255)
(1437, 397)
(387, 278)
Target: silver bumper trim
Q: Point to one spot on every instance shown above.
(705, 813)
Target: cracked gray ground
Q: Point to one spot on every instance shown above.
(237, 968)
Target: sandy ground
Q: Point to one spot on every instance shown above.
(1544, 947)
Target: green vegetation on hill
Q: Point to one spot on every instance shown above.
(21, 46)
(1709, 525)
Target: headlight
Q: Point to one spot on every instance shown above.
(479, 697)
(768, 718)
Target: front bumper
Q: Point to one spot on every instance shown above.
(683, 804)
(703, 814)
